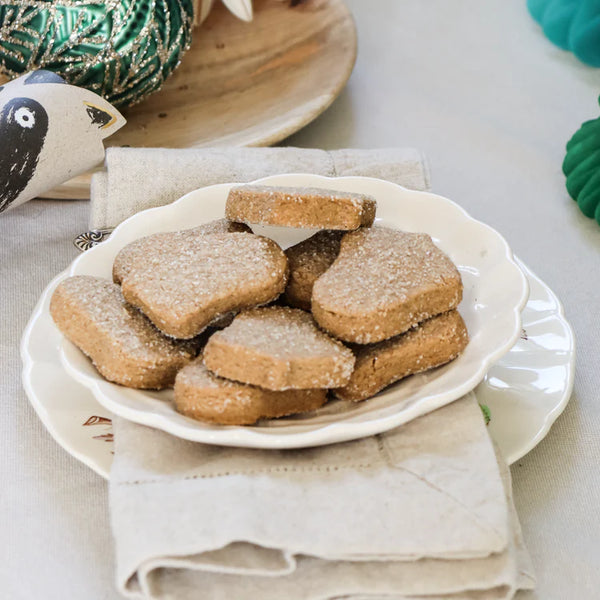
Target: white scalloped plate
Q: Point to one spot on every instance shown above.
(495, 291)
(526, 390)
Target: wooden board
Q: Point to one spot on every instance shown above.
(244, 84)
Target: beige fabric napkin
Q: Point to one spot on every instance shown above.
(419, 512)
(140, 178)
(424, 511)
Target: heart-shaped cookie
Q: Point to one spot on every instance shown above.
(382, 283)
(131, 253)
(182, 285)
(278, 348)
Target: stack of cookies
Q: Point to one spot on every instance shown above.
(244, 330)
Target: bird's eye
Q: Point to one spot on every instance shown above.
(25, 117)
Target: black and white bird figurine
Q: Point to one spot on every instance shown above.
(49, 132)
(23, 128)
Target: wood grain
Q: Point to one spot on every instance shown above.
(245, 84)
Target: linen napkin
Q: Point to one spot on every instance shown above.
(140, 178)
(424, 511)
(419, 512)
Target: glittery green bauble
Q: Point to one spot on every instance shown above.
(120, 49)
(582, 168)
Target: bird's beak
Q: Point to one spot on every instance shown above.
(99, 116)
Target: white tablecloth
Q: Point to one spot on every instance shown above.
(477, 87)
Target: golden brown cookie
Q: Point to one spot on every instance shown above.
(382, 283)
(201, 395)
(308, 208)
(184, 286)
(431, 344)
(123, 345)
(131, 253)
(307, 261)
(278, 348)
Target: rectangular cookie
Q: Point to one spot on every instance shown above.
(121, 342)
(201, 395)
(431, 344)
(308, 208)
(307, 261)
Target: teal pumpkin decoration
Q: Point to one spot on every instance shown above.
(572, 25)
(582, 168)
(120, 49)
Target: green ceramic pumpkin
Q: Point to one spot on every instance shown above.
(120, 49)
(582, 168)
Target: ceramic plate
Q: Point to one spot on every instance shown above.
(495, 291)
(526, 389)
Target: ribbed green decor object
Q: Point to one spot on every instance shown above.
(582, 168)
(120, 49)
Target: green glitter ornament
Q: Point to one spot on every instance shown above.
(582, 168)
(120, 49)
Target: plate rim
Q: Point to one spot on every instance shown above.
(329, 433)
(30, 391)
(552, 415)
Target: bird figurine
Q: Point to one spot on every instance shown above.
(50, 131)
(23, 127)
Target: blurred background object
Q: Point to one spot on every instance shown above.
(122, 50)
(572, 25)
(582, 168)
(242, 9)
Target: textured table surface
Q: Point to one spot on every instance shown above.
(477, 87)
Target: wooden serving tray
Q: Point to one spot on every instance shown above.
(244, 84)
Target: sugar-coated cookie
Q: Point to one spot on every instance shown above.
(130, 254)
(123, 344)
(278, 348)
(307, 261)
(382, 283)
(431, 344)
(308, 208)
(201, 395)
(183, 286)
